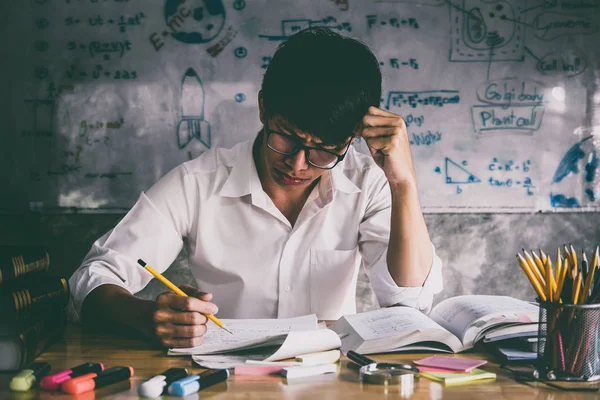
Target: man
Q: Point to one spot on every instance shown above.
(277, 226)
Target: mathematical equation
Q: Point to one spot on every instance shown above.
(291, 26)
(105, 49)
(504, 174)
(393, 22)
(121, 22)
(437, 98)
(99, 72)
(396, 64)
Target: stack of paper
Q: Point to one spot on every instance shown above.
(260, 340)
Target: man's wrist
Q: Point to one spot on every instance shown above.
(402, 188)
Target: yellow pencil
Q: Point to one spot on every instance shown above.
(588, 283)
(178, 291)
(543, 256)
(550, 286)
(561, 281)
(538, 274)
(574, 257)
(577, 289)
(534, 282)
(539, 263)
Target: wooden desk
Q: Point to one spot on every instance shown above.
(77, 348)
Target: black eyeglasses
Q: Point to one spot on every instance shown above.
(288, 145)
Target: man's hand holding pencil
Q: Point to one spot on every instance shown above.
(181, 315)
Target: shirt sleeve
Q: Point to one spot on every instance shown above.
(153, 230)
(374, 233)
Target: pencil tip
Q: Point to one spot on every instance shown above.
(141, 262)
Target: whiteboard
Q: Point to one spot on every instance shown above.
(500, 97)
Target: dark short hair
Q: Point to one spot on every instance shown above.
(322, 83)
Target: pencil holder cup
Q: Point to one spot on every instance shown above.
(569, 341)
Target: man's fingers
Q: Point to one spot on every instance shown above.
(188, 318)
(381, 132)
(179, 342)
(188, 331)
(195, 292)
(369, 120)
(166, 316)
(205, 296)
(182, 303)
(379, 111)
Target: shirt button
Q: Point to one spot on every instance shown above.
(287, 288)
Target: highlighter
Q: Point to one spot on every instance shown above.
(25, 379)
(88, 382)
(157, 385)
(53, 382)
(193, 383)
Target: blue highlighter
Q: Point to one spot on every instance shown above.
(194, 383)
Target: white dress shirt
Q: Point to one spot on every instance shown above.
(243, 250)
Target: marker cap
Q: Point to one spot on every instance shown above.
(86, 383)
(25, 379)
(53, 382)
(185, 386)
(156, 386)
(153, 387)
(76, 385)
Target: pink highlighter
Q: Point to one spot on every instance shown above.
(53, 382)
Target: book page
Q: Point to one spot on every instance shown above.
(248, 333)
(457, 314)
(393, 329)
(390, 321)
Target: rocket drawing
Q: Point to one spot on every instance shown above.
(192, 124)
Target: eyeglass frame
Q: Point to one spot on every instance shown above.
(301, 146)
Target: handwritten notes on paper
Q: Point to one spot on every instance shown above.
(248, 333)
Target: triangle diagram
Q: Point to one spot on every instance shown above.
(457, 174)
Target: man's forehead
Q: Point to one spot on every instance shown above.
(290, 128)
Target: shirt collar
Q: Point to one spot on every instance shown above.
(243, 178)
(339, 180)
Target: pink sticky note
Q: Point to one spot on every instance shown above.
(453, 363)
(257, 369)
(446, 371)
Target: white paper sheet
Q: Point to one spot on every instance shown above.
(248, 333)
(304, 342)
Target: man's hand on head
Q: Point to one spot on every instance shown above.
(387, 139)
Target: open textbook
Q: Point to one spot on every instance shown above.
(272, 340)
(454, 325)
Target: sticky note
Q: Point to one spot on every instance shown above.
(453, 363)
(456, 378)
(431, 369)
(257, 369)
